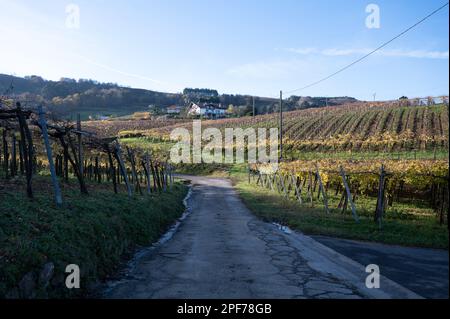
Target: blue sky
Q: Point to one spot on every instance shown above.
(235, 46)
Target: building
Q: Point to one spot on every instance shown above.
(208, 110)
(174, 109)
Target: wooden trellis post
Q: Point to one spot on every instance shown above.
(146, 166)
(133, 170)
(43, 123)
(381, 197)
(172, 179)
(289, 184)
(158, 177)
(80, 145)
(123, 171)
(164, 171)
(298, 188)
(66, 165)
(349, 194)
(169, 174)
(21, 163)
(13, 154)
(322, 190)
(111, 167)
(161, 175)
(5, 153)
(310, 188)
(283, 186)
(271, 181)
(277, 181)
(154, 174)
(169, 179)
(74, 160)
(27, 148)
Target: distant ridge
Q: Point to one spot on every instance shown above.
(67, 97)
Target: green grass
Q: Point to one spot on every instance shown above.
(155, 146)
(408, 224)
(94, 232)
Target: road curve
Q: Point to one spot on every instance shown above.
(222, 251)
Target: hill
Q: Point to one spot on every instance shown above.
(67, 97)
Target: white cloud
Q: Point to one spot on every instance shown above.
(344, 52)
(417, 54)
(421, 54)
(303, 50)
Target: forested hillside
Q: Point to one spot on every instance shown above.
(67, 97)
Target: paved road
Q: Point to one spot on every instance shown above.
(222, 251)
(424, 271)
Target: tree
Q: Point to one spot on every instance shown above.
(154, 110)
(230, 109)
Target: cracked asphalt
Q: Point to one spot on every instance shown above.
(222, 251)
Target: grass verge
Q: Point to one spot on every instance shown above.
(94, 232)
(406, 228)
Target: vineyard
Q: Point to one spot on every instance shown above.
(66, 151)
(114, 127)
(382, 183)
(356, 128)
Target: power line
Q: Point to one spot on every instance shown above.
(372, 52)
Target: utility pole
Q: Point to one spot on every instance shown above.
(253, 101)
(80, 144)
(374, 97)
(281, 126)
(448, 177)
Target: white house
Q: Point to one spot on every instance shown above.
(174, 109)
(208, 110)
